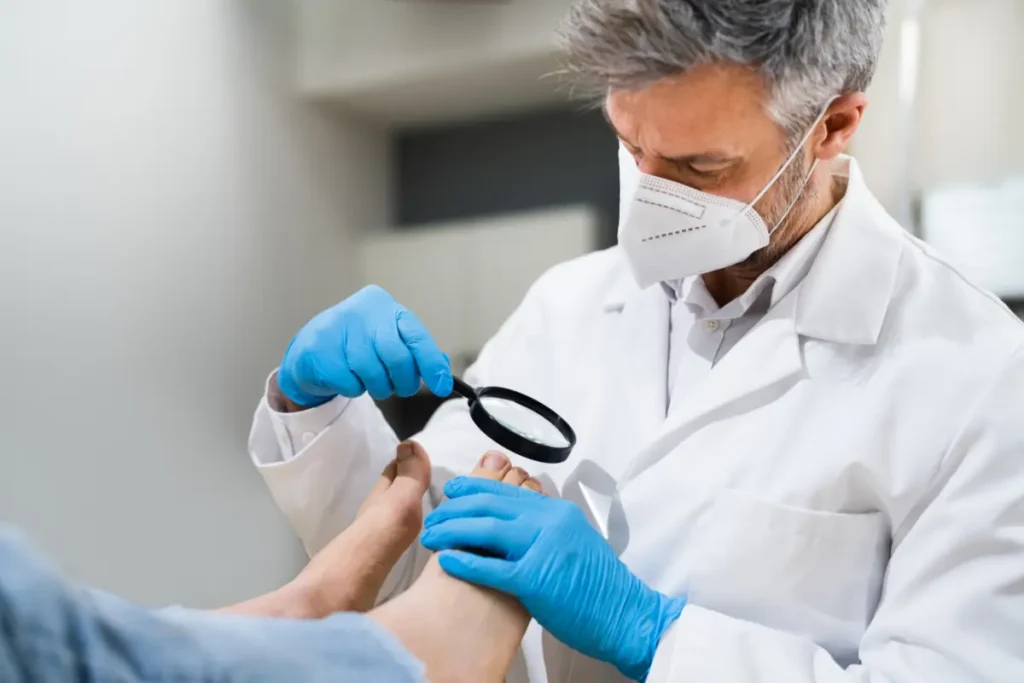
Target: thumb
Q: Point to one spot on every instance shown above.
(434, 367)
(490, 572)
(460, 487)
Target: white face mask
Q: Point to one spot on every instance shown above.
(670, 230)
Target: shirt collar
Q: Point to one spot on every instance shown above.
(768, 289)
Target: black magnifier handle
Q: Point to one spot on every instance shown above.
(464, 390)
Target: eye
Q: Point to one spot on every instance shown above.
(706, 173)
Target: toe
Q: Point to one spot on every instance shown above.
(380, 489)
(516, 476)
(402, 504)
(533, 485)
(402, 484)
(412, 467)
(494, 465)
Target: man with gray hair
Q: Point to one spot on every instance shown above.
(800, 436)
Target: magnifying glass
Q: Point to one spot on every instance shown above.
(519, 423)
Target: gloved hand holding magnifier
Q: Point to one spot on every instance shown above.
(369, 343)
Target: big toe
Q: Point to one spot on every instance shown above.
(494, 465)
(412, 468)
(403, 482)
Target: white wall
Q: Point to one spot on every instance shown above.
(964, 127)
(881, 141)
(422, 61)
(169, 214)
(972, 92)
(478, 269)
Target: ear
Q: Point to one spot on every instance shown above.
(840, 122)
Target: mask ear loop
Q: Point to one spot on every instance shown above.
(782, 169)
(796, 198)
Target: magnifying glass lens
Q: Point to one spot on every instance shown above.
(523, 421)
(521, 424)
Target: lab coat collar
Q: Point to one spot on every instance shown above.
(793, 267)
(847, 291)
(845, 294)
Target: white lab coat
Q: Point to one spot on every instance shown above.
(843, 500)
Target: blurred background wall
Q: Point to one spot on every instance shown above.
(171, 211)
(943, 99)
(185, 183)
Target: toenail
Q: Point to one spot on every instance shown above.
(495, 461)
(404, 451)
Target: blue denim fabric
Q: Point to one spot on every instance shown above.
(54, 632)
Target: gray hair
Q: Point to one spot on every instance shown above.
(807, 51)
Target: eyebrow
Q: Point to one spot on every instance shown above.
(714, 157)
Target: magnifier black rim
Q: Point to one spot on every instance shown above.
(517, 443)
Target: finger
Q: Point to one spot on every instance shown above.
(483, 505)
(492, 536)
(468, 486)
(338, 379)
(434, 366)
(491, 572)
(364, 363)
(309, 379)
(397, 360)
(331, 371)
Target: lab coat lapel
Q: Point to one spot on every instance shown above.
(642, 368)
(633, 411)
(629, 412)
(755, 371)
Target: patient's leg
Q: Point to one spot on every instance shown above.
(348, 573)
(463, 633)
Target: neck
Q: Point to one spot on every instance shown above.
(729, 283)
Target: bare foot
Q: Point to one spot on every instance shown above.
(464, 633)
(348, 573)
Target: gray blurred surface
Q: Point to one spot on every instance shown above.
(535, 160)
(170, 214)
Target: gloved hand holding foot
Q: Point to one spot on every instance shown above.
(566, 575)
(367, 343)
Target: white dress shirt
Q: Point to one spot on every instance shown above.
(701, 332)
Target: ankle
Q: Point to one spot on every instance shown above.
(318, 597)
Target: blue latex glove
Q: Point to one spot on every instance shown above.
(368, 342)
(547, 555)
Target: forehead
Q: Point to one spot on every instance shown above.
(710, 108)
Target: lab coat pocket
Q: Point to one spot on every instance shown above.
(815, 574)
